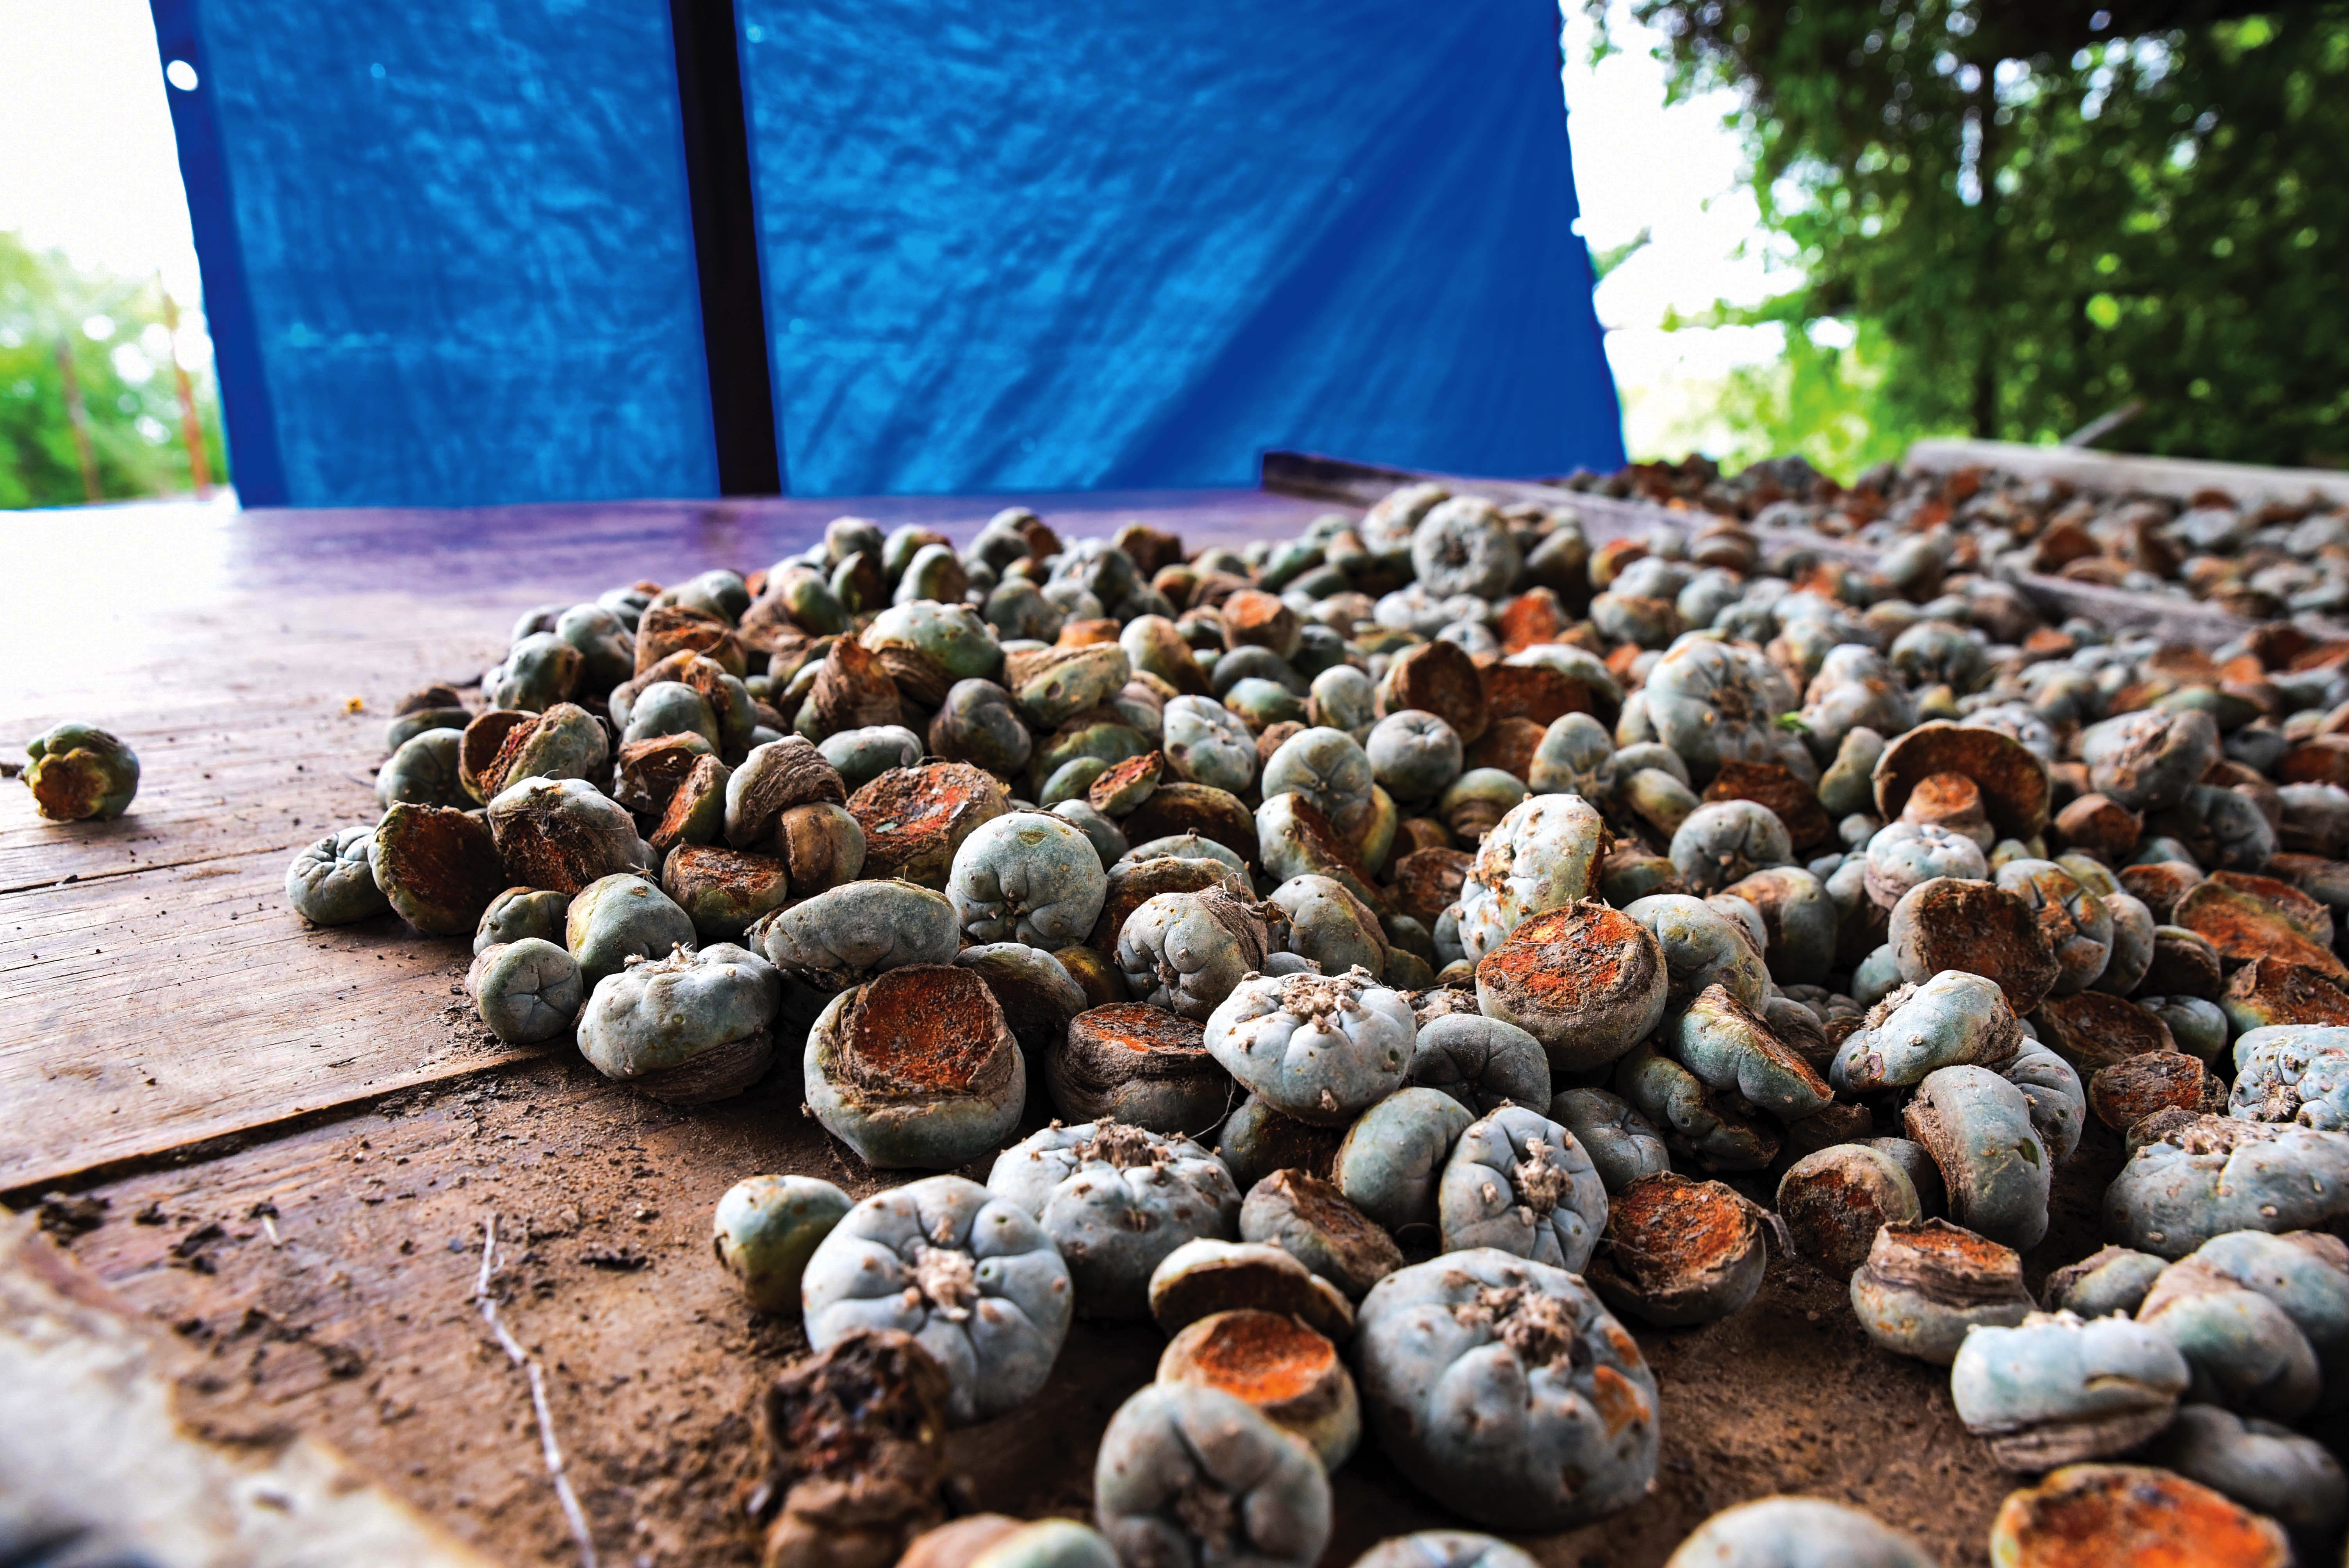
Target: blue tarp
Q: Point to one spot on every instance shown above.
(463, 233)
(1017, 243)
(449, 257)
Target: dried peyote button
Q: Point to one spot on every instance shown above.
(1141, 1065)
(696, 813)
(1477, 800)
(1702, 947)
(821, 845)
(1924, 1284)
(423, 772)
(525, 991)
(561, 834)
(1095, 975)
(1952, 1019)
(1585, 981)
(2075, 921)
(2269, 992)
(1543, 853)
(2243, 924)
(2093, 1030)
(1977, 1127)
(2109, 1280)
(566, 741)
(2126, 1091)
(1799, 921)
(1728, 1047)
(2013, 781)
(1905, 854)
(1441, 679)
(774, 780)
(332, 882)
(915, 819)
(619, 917)
(1321, 1049)
(522, 911)
(1207, 1275)
(1173, 809)
(1027, 877)
(850, 690)
(1036, 994)
(1518, 1181)
(2088, 1515)
(869, 1413)
(1796, 1533)
(2242, 1345)
(1312, 1221)
(1257, 1141)
(1189, 1474)
(1289, 1373)
(1185, 952)
(1425, 882)
(975, 1281)
(1948, 923)
(860, 756)
(2101, 826)
(438, 867)
(1623, 1145)
(1327, 925)
(1143, 874)
(2204, 1176)
(651, 771)
(2149, 759)
(1207, 744)
(688, 1028)
(1290, 838)
(483, 741)
(767, 1227)
(1835, 1201)
(2055, 1389)
(722, 891)
(1952, 802)
(915, 1069)
(1413, 754)
(2052, 1088)
(1116, 1199)
(1126, 785)
(1679, 1252)
(1451, 1350)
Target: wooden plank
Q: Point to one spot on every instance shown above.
(93, 1450)
(224, 647)
(2121, 473)
(353, 1325)
(1607, 517)
(144, 1012)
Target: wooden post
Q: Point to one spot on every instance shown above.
(78, 413)
(192, 428)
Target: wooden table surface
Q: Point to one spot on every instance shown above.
(156, 992)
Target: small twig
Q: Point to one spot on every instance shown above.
(571, 1512)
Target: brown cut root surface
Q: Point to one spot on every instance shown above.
(1987, 931)
(1263, 1358)
(2244, 925)
(2128, 1516)
(1665, 1229)
(1568, 958)
(1776, 786)
(1140, 1029)
(925, 1029)
(2283, 993)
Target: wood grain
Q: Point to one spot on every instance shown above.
(156, 992)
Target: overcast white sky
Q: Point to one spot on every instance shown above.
(88, 165)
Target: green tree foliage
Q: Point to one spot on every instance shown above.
(2033, 211)
(126, 378)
